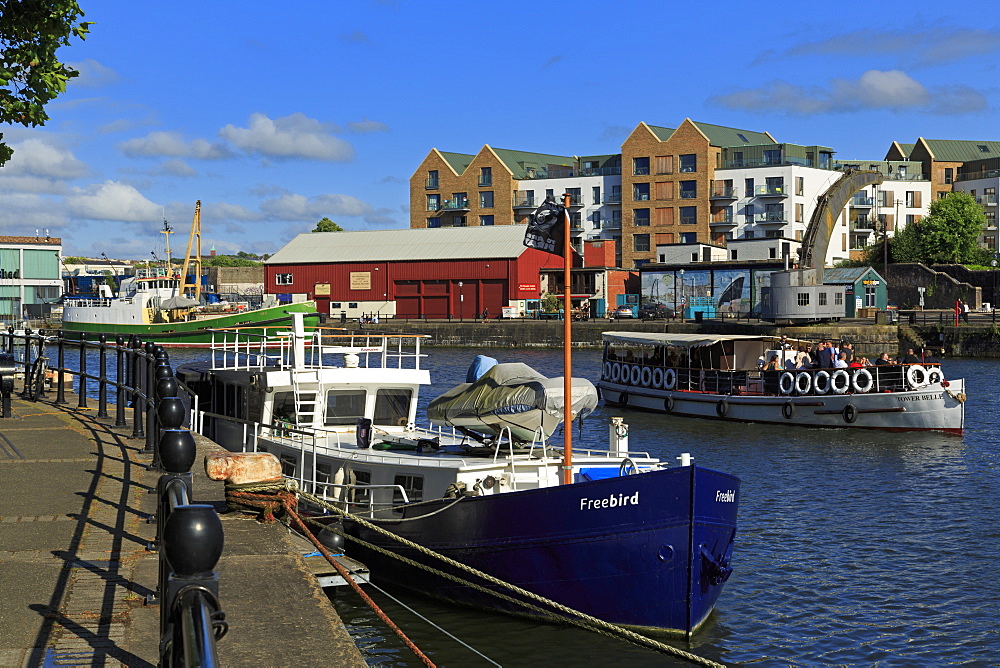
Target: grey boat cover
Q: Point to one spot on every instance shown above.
(178, 301)
(514, 396)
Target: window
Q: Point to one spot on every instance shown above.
(433, 222)
(743, 138)
(870, 294)
(575, 196)
(912, 199)
(821, 299)
(485, 220)
(485, 176)
(461, 200)
(748, 187)
(775, 185)
(344, 407)
(748, 234)
(432, 179)
(689, 189)
(800, 212)
(640, 192)
(283, 279)
(734, 255)
(595, 195)
(640, 243)
(352, 304)
(772, 252)
(486, 199)
(433, 202)
(413, 486)
(803, 299)
(597, 220)
(334, 304)
(689, 215)
(640, 166)
(772, 157)
(392, 407)
(689, 162)
(690, 238)
(800, 185)
(549, 192)
(838, 298)
(641, 217)
(738, 159)
(983, 148)
(949, 175)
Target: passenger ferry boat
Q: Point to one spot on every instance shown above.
(630, 540)
(716, 377)
(151, 306)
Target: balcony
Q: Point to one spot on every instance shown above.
(861, 201)
(486, 183)
(640, 197)
(723, 192)
(457, 205)
(724, 221)
(601, 171)
(523, 201)
(613, 224)
(615, 198)
(770, 191)
(640, 171)
(575, 201)
(771, 218)
(766, 162)
(982, 174)
(986, 200)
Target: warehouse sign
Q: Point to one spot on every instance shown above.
(322, 289)
(527, 287)
(361, 280)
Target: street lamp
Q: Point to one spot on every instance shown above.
(461, 301)
(993, 263)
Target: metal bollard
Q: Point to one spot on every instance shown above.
(102, 392)
(61, 375)
(174, 486)
(41, 366)
(120, 382)
(82, 403)
(135, 381)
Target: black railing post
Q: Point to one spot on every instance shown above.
(169, 413)
(179, 451)
(39, 382)
(26, 390)
(150, 400)
(102, 404)
(10, 340)
(82, 403)
(61, 374)
(121, 380)
(134, 353)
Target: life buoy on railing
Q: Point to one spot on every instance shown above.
(934, 376)
(669, 379)
(607, 371)
(840, 381)
(634, 374)
(646, 376)
(803, 382)
(850, 413)
(722, 408)
(786, 383)
(821, 382)
(788, 410)
(916, 376)
(616, 372)
(862, 381)
(658, 378)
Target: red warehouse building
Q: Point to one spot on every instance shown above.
(458, 272)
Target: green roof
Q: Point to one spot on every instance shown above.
(663, 134)
(907, 149)
(520, 161)
(960, 150)
(458, 161)
(845, 275)
(720, 135)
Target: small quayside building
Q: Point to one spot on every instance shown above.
(30, 278)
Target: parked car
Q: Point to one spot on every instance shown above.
(655, 312)
(624, 312)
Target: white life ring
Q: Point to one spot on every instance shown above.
(803, 382)
(862, 381)
(821, 381)
(616, 372)
(786, 388)
(646, 376)
(840, 381)
(669, 379)
(934, 376)
(635, 374)
(916, 376)
(607, 371)
(658, 378)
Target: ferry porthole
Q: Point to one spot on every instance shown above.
(840, 381)
(916, 376)
(668, 404)
(616, 372)
(786, 383)
(862, 381)
(788, 410)
(722, 408)
(646, 376)
(635, 374)
(607, 370)
(821, 382)
(658, 378)
(669, 379)
(850, 413)
(803, 382)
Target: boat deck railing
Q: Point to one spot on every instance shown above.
(98, 302)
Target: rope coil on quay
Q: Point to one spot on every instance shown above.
(281, 495)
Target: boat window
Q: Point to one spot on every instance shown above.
(283, 407)
(344, 406)
(392, 407)
(324, 472)
(288, 464)
(361, 495)
(412, 484)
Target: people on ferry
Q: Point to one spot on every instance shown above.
(883, 359)
(802, 359)
(823, 352)
(761, 362)
(857, 363)
(841, 361)
(784, 344)
(848, 348)
(773, 364)
(834, 352)
(910, 357)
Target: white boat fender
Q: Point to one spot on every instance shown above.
(668, 404)
(722, 408)
(635, 374)
(788, 410)
(607, 371)
(803, 382)
(786, 382)
(862, 382)
(685, 458)
(850, 413)
(658, 378)
(840, 381)
(916, 376)
(821, 381)
(646, 376)
(669, 379)
(616, 372)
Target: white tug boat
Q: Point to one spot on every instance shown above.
(715, 376)
(630, 540)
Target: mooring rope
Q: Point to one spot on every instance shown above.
(576, 617)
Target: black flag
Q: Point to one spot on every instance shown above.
(545, 229)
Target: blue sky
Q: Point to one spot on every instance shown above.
(275, 115)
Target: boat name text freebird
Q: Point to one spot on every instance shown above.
(612, 501)
(728, 496)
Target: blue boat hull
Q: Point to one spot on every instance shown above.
(649, 550)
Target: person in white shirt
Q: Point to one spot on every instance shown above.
(840, 362)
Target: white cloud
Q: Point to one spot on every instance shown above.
(172, 144)
(294, 136)
(892, 90)
(918, 47)
(299, 207)
(178, 168)
(38, 158)
(92, 74)
(366, 126)
(22, 213)
(111, 201)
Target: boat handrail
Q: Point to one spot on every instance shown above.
(321, 489)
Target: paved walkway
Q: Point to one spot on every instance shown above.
(75, 571)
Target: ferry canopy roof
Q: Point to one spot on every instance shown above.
(687, 340)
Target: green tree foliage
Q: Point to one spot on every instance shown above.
(949, 234)
(228, 261)
(30, 74)
(551, 302)
(327, 225)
